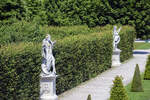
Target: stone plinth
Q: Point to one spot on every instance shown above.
(116, 57)
(48, 87)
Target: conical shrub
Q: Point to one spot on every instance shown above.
(89, 97)
(136, 85)
(118, 91)
(147, 69)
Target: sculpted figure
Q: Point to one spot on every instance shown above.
(48, 62)
(116, 37)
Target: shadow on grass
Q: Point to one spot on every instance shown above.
(141, 52)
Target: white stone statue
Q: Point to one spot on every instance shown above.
(116, 37)
(48, 62)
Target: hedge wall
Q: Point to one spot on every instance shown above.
(19, 71)
(127, 35)
(78, 58)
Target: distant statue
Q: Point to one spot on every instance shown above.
(116, 37)
(48, 62)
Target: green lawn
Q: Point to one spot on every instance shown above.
(140, 95)
(141, 45)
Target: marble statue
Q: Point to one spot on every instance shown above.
(116, 37)
(48, 62)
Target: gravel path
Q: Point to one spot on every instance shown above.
(99, 87)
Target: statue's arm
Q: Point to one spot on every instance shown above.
(119, 29)
(54, 42)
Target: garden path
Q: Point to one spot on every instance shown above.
(99, 87)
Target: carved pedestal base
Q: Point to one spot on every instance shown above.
(48, 87)
(116, 57)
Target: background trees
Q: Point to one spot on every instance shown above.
(80, 12)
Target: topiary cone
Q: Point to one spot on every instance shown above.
(118, 91)
(147, 69)
(89, 97)
(136, 82)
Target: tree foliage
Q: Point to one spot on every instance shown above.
(79, 12)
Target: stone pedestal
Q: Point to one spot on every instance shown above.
(48, 87)
(116, 57)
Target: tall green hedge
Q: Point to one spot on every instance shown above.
(19, 72)
(78, 58)
(127, 35)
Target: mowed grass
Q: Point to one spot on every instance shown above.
(141, 45)
(140, 95)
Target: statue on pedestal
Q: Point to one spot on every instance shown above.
(48, 75)
(116, 37)
(116, 51)
(48, 62)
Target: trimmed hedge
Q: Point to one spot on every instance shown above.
(127, 35)
(118, 92)
(31, 32)
(19, 72)
(136, 85)
(78, 58)
(147, 69)
(89, 97)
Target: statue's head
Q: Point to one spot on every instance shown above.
(116, 32)
(115, 27)
(48, 36)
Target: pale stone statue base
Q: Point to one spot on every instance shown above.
(48, 87)
(116, 57)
